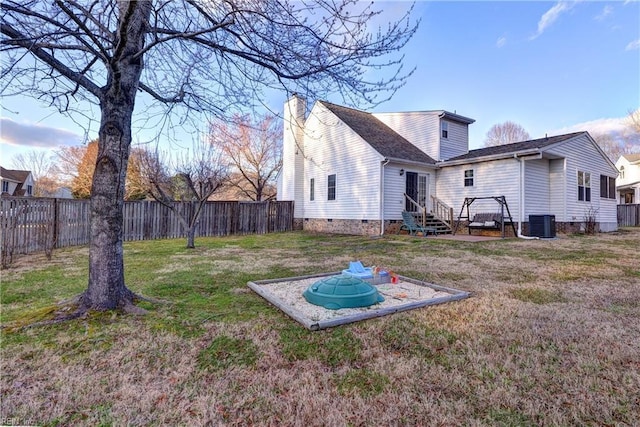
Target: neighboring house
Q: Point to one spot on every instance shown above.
(16, 182)
(348, 171)
(628, 182)
(63, 193)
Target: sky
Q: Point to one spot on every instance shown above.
(552, 67)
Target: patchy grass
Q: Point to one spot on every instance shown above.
(537, 296)
(365, 382)
(225, 352)
(549, 337)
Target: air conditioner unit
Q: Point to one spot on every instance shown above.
(542, 226)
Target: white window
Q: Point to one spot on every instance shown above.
(621, 172)
(468, 178)
(445, 129)
(331, 187)
(5, 186)
(422, 190)
(312, 189)
(584, 186)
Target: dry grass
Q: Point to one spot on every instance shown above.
(550, 337)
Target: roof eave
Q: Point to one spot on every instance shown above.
(410, 162)
(509, 155)
(456, 117)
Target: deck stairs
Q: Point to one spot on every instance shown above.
(440, 220)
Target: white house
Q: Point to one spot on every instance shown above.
(16, 182)
(348, 171)
(628, 182)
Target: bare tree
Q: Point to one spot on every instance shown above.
(179, 57)
(195, 179)
(615, 145)
(505, 133)
(633, 120)
(67, 160)
(619, 143)
(42, 169)
(254, 152)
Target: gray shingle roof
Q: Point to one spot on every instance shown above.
(381, 137)
(14, 175)
(516, 147)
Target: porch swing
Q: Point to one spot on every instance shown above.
(486, 221)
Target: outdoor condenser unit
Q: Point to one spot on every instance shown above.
(542, 226)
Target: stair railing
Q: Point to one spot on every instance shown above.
(420, 209)
(442, 211)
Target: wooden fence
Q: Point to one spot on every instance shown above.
(29, 224)
(629, 215)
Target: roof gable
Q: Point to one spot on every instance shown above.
(18, 176)
(379, 136)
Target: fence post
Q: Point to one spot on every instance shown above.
(55, 221)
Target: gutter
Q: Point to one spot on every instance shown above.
(521, 198)
(384, 163)
(409, 162)
(520, 154)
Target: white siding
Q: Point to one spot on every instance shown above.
(422, 129)
(331, 147)
(496, 178)
(290, 184)
(557, 185)
(395, 187)
(536, 188)
(457, 142)
(631, 172)
(630, 177)
(582, 155)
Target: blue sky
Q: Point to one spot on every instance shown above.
(552, 67)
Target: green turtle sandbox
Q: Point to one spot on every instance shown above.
(407, 294)
(343, 291)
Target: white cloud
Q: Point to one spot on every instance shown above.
(633, 45)
(596, 127)
(501, 41)
(605, 12)
(34, 135)
(552, 15)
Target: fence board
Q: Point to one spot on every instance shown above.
(629, 215)
(30, 224)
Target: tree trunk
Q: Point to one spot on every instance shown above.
(191, 239)
(106, 289)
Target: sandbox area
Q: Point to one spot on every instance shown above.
(407, 294)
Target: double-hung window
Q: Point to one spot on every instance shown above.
(444, 126)
(468, 178)
(584, 186)
(331, 187)
(312, 189)
(607, 187)
(5, 186)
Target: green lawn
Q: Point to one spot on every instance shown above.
(549, 337)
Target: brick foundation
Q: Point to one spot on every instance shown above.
(297, 224)
(372, 228)
(341, 226)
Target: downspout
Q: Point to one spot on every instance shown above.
(384, 163)
(521, 199)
